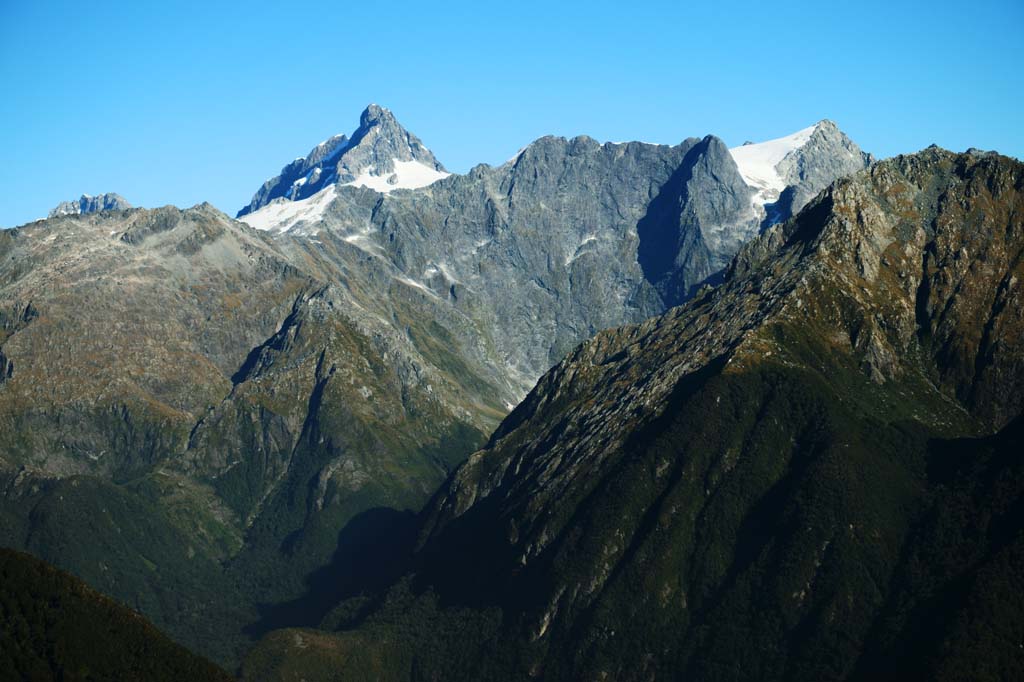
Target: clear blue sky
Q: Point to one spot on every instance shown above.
(184, 102)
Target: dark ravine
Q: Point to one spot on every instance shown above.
(810, 472)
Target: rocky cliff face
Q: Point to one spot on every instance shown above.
(827, 155)
(694, 227)
(569, 237)
(90, 204)
(540, 251)
(757, 484)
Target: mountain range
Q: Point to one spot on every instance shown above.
(270, 422)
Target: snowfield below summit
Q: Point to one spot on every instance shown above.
(407, 175)
(757, 163)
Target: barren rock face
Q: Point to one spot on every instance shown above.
(827, 155)
(875, 267)
(567, 238)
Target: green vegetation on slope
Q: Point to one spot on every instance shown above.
(762, 529)
(125, 546)
(194, 415)
(54, 627)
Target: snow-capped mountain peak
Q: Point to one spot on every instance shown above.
(380, 155)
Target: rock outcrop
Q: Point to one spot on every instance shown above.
(90, 204)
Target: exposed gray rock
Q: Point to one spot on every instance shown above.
(90, 204)
(302, 177)
(749, 452)
(828, 155)
(567, 238)
(692, 230)
(378, 143)
(540, 252)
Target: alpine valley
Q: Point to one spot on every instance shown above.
(607, 411)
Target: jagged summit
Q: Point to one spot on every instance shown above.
(758, 161)
(90, 204)
(384, 156)
(375, 114)
(380, 154)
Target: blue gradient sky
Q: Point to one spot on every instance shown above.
(191, 102)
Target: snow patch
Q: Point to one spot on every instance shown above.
(569, 260)
(281, 216)
(364, 241)
(413, 283)
(407, 175)
(515, 158)
(758, 163)
(296, 185)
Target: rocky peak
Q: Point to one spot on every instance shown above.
(697, 223)
(827, 154)
(718, 200)
(380, 146)
(894, 270)
(90, 204)
(375, 115)
(930, 279)
(380, 154)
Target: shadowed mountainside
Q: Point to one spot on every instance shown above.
(811, 472)
(54, 627)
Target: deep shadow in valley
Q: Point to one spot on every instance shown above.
(373, 551)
